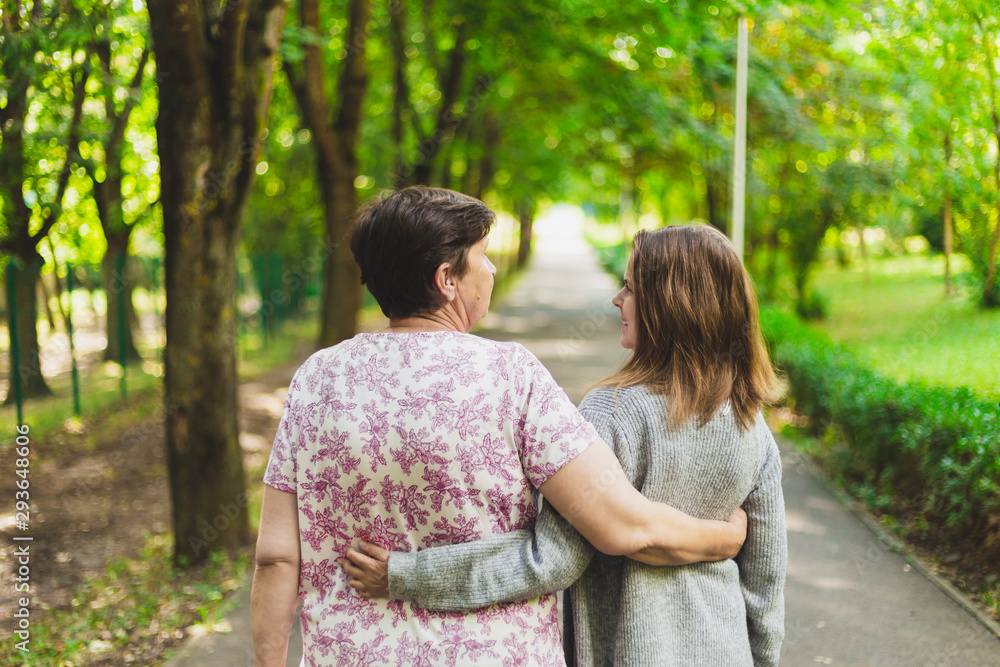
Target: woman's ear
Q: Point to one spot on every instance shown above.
(444, 282)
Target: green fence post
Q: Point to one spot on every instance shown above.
(259, 270)
(72, 347)
(15, 350)
(122, 358)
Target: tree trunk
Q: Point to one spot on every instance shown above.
(526, 218)
(56, 282)
(487, 164)
(205, 463)
(118, 290)
(108, 200)
(336, 145)
(401, 92)
(989, 297)
(115, 281)
(470, 179)
(44, 297)
(215, 84)
(29, 367)
(449, 83)
(342, 279)
(18, 241)
(445, 180)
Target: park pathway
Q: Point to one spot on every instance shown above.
(849, 600)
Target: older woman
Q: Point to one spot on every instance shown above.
(683, 416)
(422, 435)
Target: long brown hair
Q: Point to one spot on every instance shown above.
(698, 338)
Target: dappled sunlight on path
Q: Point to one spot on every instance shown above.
(560, 308)
(850, 600)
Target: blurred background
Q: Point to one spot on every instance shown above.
(193, 167)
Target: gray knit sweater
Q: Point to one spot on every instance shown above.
(624, 612)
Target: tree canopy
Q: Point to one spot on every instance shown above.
(281, 116)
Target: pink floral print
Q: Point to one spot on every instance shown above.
(411, 441)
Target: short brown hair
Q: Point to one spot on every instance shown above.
(698, 338)
(401, 238)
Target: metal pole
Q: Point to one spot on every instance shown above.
(15, 350)
(72, 348)
(740, 140)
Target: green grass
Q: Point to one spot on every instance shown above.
(136, 606)
(100, 392)
(256, 354)
(898, 318)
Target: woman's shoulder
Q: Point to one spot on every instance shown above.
(508, 347)
(620, 403)
(503, 352)
(761, 432)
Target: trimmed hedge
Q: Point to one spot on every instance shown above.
(930, 449)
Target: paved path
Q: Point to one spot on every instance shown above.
(850, 601)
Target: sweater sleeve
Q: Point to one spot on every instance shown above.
(763, 559)
(518, 565)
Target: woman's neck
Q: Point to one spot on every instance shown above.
(436, 321)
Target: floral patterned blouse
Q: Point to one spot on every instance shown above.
(412, 440)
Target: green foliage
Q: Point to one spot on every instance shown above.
(942, 96)
(975, 243)
(614, 257)
(893, 313)
(100, 396)
(813, 306)
(138, 605)
(928, 448)
(929, 225)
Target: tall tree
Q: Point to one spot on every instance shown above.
(335, 129)
(449, 62)
(990, 298)
(215, 64)
(108, 179)
(27, 33)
